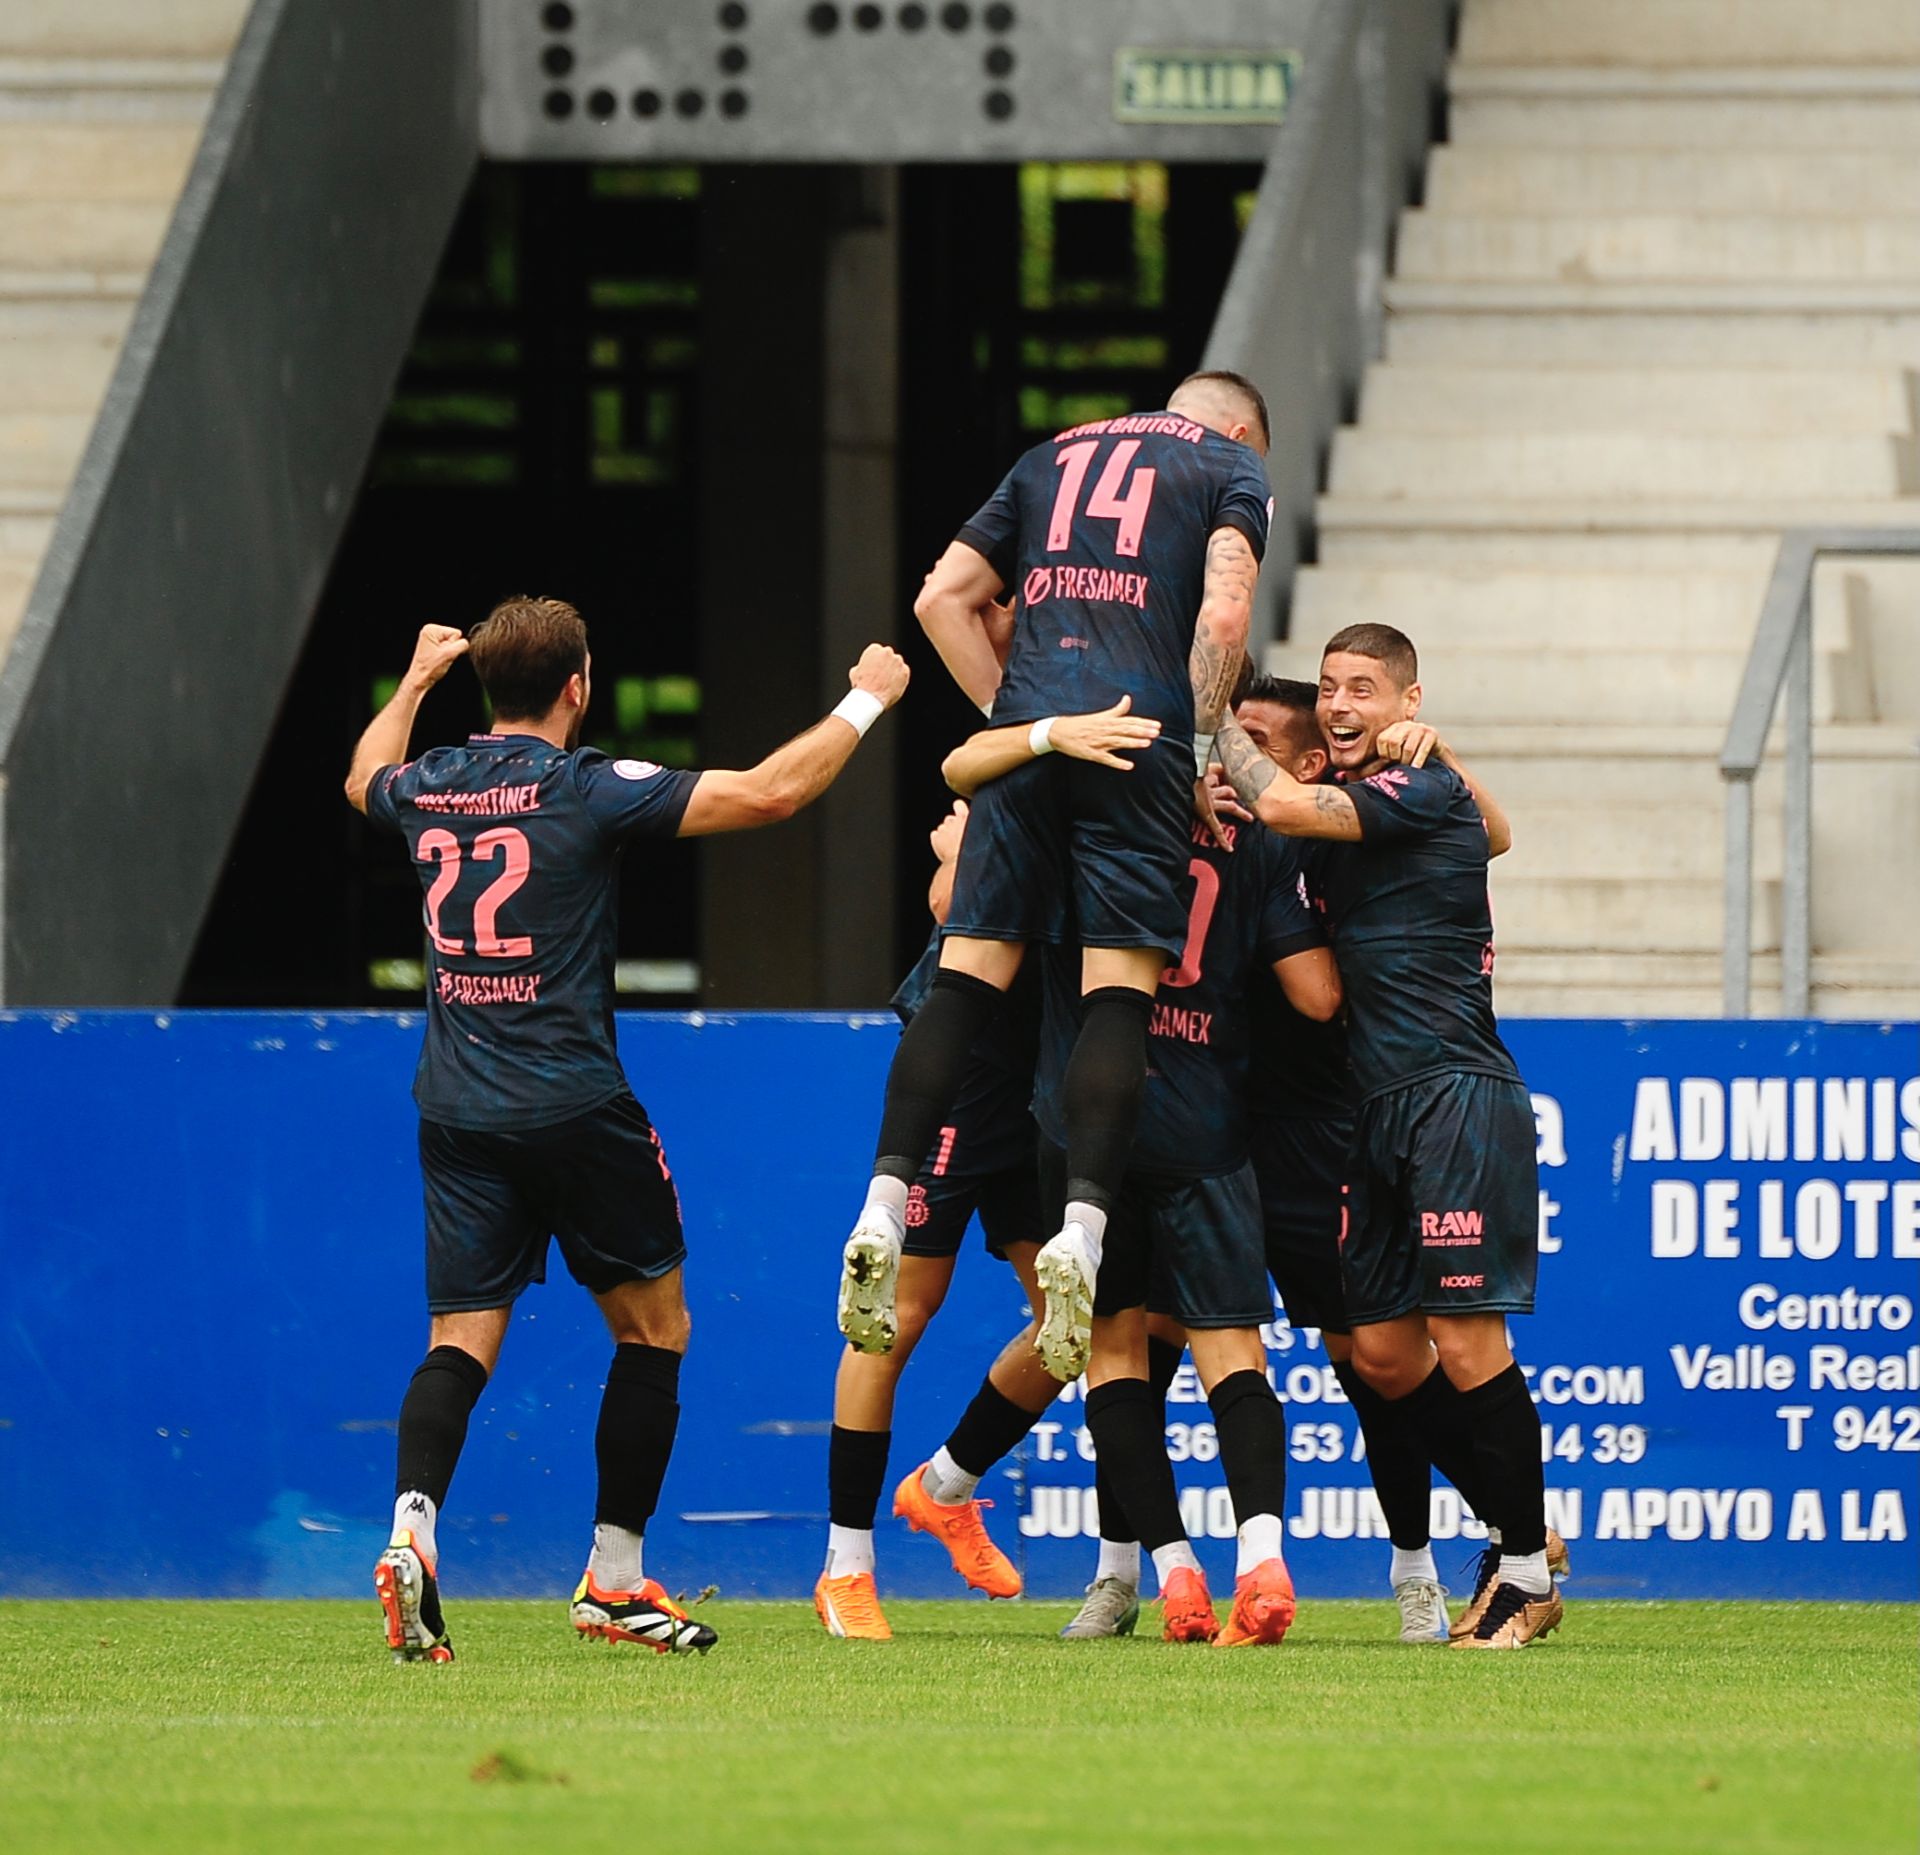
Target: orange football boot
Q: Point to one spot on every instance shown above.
(964, 1534)
(1263, 1606)
(1188, 1606)
(850, 1607)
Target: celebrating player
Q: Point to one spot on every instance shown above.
(1441, 1242)
(1114, 536)
(528, 1129)
(1185, 1233)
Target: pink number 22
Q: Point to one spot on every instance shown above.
(1130, 510)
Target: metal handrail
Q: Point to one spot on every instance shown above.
(1782, 657)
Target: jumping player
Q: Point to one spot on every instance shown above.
(528, 1129)
(1185, 1233)
(1441, 1242)
(1114, 536)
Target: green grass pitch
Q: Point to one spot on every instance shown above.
(271, 1727)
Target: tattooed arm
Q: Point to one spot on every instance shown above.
(1220, 632)
(1279, 800)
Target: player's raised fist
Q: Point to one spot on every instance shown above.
(434, 652)
(880, 672)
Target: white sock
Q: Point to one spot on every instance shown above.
(615, 1563)
(1528, 1571)
(1260, 1540)
(849, 1550)
(886, 1204)
(1119, 1558)
(1417, 1564)
(1169, 1559)
(946, 1481)
(414, 1513)
(1093, 1223)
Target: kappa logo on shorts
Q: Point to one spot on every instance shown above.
(1451, 1229)
(1463, 1281)
(917, 1212)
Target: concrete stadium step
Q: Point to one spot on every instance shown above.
(1468, 325)
(25, 531)
(1641, 247)
(1623, 466)
(1668, 982)
(1527, 611)
(1480, 180)
(99, 237)
(1621, 913)
(91, 91)
(1765, 111)
(16, 581)
(40, 315)
(1488, 526)
(1572, 841)
(120, 28)
(40, 450)
(1400, 396)
(1359, 542)
(1689, 32)
(52, 373)
(55, 290)
(129, 161)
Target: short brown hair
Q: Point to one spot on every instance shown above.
(1392, 649)
(523, 651)
(1237, 385)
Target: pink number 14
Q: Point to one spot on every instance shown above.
(1130, 510)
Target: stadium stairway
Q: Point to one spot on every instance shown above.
(1655, 308)
(100, 109)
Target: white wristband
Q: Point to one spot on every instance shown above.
(1040, 735)
(860, 709)
(1202, 754)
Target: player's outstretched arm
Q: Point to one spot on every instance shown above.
(791, 777)
(1279, 800)
(385, 741)
(1412, 743)
(1220, 632)
(1101, 737)
(957, 609)
(1311, 982)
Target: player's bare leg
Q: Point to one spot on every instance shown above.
(1101, 1100)
(1251, 1425)
(846, 1598)
(921, 1086)
(462, 1349)
(616, 1601)
(938, 1497)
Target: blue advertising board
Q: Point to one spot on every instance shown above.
(211, 1301)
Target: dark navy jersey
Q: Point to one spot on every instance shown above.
(1407, 912)
(1246, 912)
(517, 843)
(1102, 532)
(1300, 1066)
(1012, 1041)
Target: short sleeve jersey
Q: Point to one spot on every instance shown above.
(1011, 1041)
(1102, 532)
(517, 845)
(1408, 915)
(1246, 912)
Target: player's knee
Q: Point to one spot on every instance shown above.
(1392, 1369)
(911, 1318)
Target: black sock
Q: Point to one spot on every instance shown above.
(1251, 1424)
(989, 1428)
(1128, 1421)
(433, 1421)
(1100, 1093)
(856, 1473)
(1441, 1423)
(639, 1413)
(1506, 1447)
(1397, 1459)
(1163, 1361)
(928, 1068)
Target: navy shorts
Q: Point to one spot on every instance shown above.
(1444, 1211)
(1189, 1247)
(598, 1184)
(1301, 1167)
(1068, 852)
(986, 1161)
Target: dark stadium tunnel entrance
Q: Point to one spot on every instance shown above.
(733, 413)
